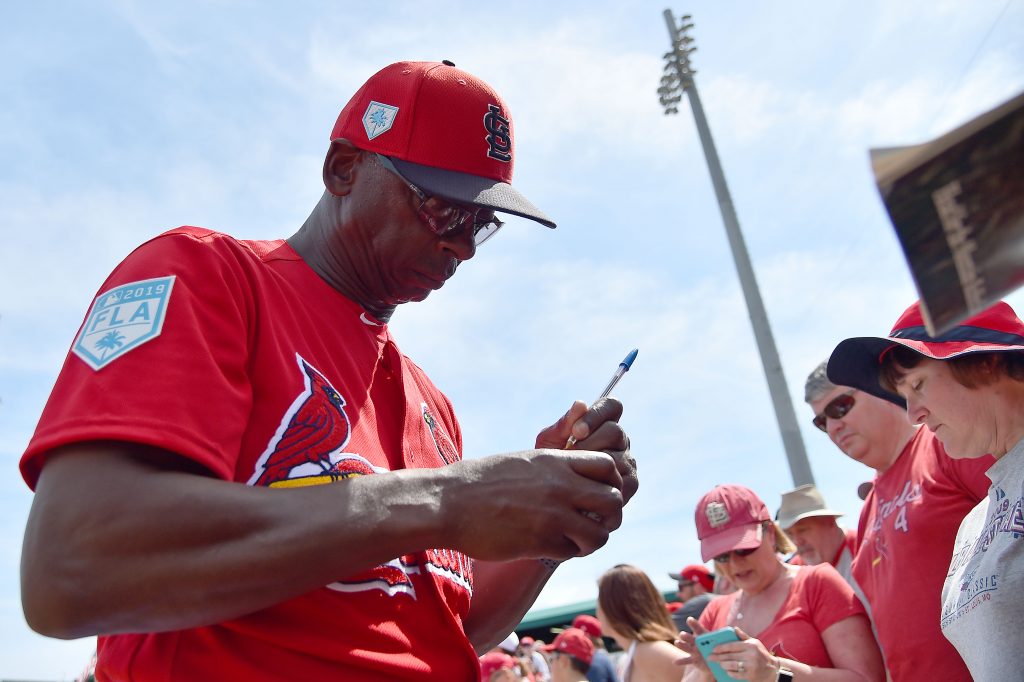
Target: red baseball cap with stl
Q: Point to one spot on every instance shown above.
(729, 517)
(855, 362)
(444, 129)
(575, 642)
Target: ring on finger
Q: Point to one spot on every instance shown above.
(740, 667)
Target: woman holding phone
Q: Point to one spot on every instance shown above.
(793, 622)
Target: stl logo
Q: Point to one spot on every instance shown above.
(499, 134)
(378, 119)
(122, 319)
(717, 514)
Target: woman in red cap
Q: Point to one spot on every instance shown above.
(966, 386)
(792, 621)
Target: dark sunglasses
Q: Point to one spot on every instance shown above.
(443, 218)
(724, 558)
(837, 408)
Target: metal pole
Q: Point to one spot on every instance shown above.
(678, 61)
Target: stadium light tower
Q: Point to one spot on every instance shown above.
(678, 78)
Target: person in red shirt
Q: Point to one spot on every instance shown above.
(239, 475)
(793, 621)
(907, 525)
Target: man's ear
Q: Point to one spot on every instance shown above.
(339, 166)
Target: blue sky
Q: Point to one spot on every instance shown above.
(122, 119)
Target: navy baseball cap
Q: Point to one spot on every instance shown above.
(856, 362)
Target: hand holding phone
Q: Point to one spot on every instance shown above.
(707, 642)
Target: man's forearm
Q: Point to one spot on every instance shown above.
(115, 544)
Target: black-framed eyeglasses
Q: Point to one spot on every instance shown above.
(837, 408)
(446, 219)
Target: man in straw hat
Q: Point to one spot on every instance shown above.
(815, 531)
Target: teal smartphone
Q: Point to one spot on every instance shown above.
(707, 642)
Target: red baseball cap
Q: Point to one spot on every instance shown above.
(587, 623)
(729, 517)
(695, 573)
(444, 129)
(494, 661)
(526, 641)
(855, 362)
(575, 642)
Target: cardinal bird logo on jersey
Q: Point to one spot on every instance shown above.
(314, 428)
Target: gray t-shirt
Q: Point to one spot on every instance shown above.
(983, 596)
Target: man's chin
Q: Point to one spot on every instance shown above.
(414, 298)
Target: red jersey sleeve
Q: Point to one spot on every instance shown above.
(828, 597)
(182, 389)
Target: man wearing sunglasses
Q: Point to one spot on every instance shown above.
(907, 526)
(239, 476)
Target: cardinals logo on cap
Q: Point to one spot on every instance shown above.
(717, 514)
(499, 142)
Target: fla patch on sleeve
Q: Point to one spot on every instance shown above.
(122, 319)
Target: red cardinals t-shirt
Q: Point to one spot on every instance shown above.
(907, 529)
(238, 356)
(818, 598)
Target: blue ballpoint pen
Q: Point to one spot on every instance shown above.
(619, 371)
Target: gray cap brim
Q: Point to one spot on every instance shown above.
(473, 190)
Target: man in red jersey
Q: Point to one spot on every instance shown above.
(907, 525)
(239, 476)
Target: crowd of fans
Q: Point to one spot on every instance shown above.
(926, 587)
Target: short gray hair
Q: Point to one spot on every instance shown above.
(818, 384)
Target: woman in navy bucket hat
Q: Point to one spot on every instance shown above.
(967, 386)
